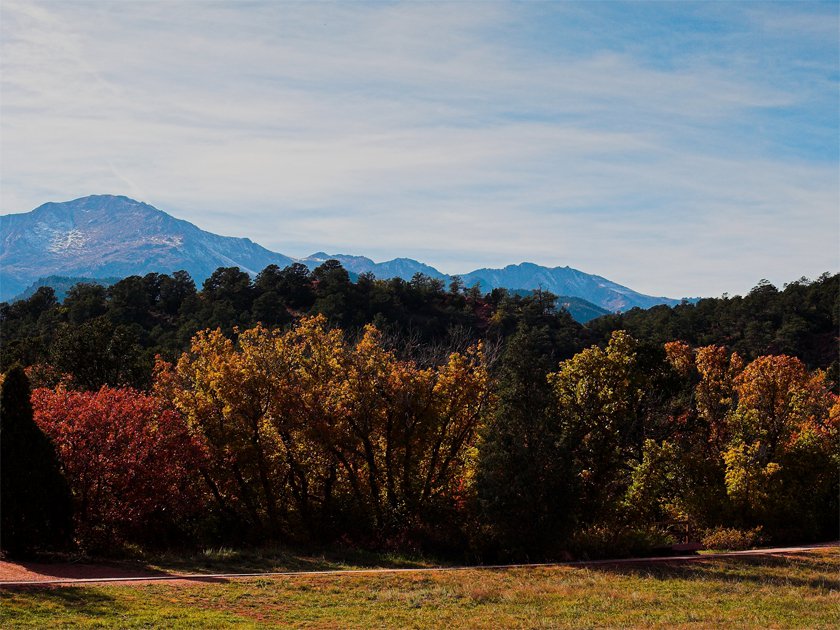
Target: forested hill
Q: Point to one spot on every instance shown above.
(801, 320)
(116, 331)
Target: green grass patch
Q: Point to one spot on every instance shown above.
(791, 591)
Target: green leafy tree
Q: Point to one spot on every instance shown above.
(85, 302)
(609, 402)
(26, 328)
(227, 296)
(334, 293)
(98, 353)
(295, 286)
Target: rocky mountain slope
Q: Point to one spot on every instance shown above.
(113, 236)
(105, 235)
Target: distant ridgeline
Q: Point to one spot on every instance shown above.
(107, 236)
(61, 285)
(116, 330)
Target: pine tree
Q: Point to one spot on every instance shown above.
(35, 501)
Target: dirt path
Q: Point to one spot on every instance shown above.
(13, 574)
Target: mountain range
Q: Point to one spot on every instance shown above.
(106, 236)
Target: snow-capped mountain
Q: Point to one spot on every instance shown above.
(106, 235)
(113, 236)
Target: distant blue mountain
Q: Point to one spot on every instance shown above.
(105, 236)
(404, 268)
(564, 281)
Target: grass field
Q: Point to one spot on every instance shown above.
(792, 591)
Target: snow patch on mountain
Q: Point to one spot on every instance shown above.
(69, 243)
(172, 241)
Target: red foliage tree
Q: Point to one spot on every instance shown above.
(129, 460)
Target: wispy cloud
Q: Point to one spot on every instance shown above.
(680, 149)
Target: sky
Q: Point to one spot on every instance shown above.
(680, 149)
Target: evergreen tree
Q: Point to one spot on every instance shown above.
(524, 484)
(35, 502)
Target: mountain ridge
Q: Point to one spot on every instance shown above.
(113, 235)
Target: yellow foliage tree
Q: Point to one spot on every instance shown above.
(782, 453)
(303, 425)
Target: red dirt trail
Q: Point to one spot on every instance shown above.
(33, 574)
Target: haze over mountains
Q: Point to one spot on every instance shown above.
(103, 236)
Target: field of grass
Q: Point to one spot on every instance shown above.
(792, 591)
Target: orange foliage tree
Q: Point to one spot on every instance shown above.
(308, 432)
(784, 446)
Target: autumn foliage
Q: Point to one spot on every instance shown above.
(129, 461)
(783, 453)
(315, 433)
(309, 434)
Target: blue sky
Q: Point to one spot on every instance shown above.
(677, 148)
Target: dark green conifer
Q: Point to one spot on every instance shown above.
(524, 483)
(35, 501)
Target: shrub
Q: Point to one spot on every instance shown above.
(614, 541)
(731, 539)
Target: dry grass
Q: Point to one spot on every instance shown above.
(792, 591)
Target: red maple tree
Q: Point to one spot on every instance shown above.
(130, 461)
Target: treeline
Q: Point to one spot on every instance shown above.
(801, 320)
(301, 406)
(303, 434)
(110, 336)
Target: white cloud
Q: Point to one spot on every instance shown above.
(433, 131)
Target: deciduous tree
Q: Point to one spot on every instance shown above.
(129, 460)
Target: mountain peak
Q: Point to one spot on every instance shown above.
(113, 235)
(101, 236)
(97, 201)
